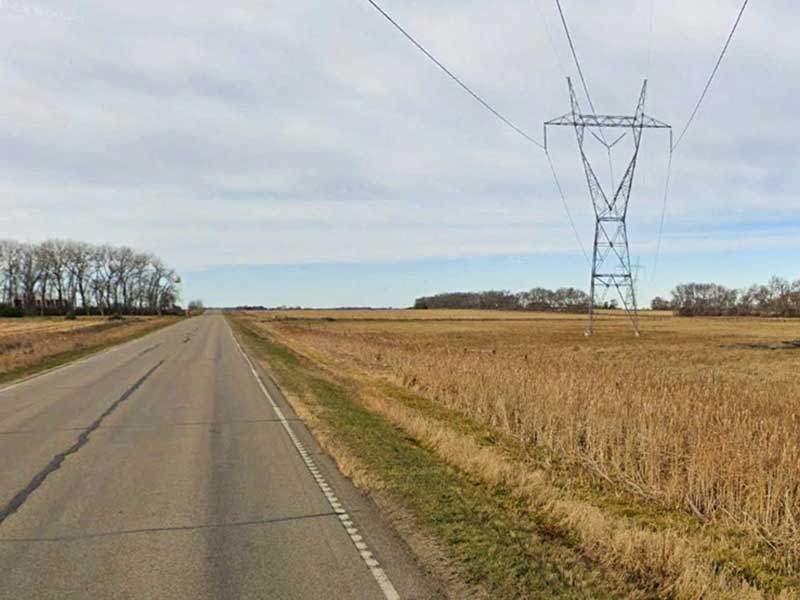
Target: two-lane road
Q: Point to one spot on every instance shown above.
(165, 469)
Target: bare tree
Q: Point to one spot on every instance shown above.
(57, 276)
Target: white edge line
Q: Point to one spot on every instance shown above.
(345, 518)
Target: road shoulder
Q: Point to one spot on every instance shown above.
(477, 538)
(411, 577)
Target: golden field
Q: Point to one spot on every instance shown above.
(32, 343)
(687, 439)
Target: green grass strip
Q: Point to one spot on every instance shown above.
(500, 543)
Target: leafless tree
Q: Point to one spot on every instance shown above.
(778, 297)
(60, 276)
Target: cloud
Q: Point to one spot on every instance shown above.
(289, 132)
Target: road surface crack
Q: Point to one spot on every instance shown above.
(19, 499)
(146, 350)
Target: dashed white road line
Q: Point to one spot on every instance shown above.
(345, 519)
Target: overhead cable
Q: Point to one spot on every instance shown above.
(713, 73)
(575, 56)
(663, 210)
(566, 206)
(497, 114)
(603, 141)
(452, 76)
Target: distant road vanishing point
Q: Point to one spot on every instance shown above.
(170, 467)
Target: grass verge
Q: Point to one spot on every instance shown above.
(494, 536)
(645, 549)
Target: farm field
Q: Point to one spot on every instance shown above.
(400, 314)
(671, 461)
(31, 344)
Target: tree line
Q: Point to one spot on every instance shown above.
(777, 298)
(61, 277)
(537, 299)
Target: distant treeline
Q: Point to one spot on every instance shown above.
(777, 298)
(59, 277)
(537, 299)
(248, 307)
(257, 307)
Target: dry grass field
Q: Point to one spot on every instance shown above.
(673, 457)
(30, 344)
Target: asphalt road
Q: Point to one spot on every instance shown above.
(165, 468)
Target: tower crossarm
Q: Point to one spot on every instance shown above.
(578, 120)
(611, 210)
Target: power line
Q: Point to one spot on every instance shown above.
(603, 141)
(494, 112)
(575, 56)
(566, 206)
(713, 73)
(452, 76)
(663, 210)
(686, 128)
(543, 19)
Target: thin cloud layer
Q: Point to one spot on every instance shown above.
(290, 132)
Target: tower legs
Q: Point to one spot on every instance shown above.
(611, 246)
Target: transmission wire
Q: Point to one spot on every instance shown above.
(686, 128)
(713, 73)
(563, 197)
(663, 210)
(566, 206)
(575, 57)
(543, 19)
(495, 113)
(452, 76)
(585, 87)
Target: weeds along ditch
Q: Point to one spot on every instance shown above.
(697, 415)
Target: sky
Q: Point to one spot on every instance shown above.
(305, 153)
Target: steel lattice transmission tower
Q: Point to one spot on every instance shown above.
(611, 260)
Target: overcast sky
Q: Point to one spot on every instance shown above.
(303, 152)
